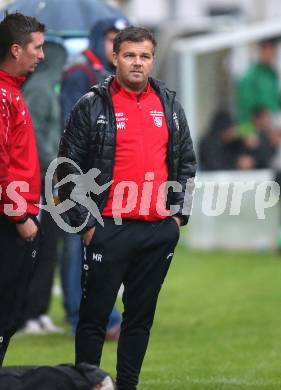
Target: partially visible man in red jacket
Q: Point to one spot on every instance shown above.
(21, 41)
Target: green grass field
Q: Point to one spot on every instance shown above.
(218, 326)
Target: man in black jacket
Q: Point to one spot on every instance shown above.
(90, 67)
(132, 136)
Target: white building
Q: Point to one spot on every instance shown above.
(153, 12)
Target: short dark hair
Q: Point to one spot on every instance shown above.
(273, 41)
(259, 110)
(16, 28)
(133, 34)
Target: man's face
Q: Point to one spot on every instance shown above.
(30, 55)
(134, 63)
(268, 53)
(108, 45)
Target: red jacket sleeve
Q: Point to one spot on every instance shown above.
(5, 145)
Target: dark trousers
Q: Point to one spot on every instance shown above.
(137, 254)
(17, 262)
(40, 288)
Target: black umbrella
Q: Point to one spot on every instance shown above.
(65, 17)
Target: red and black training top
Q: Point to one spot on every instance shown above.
(19, 164)
(141, 155)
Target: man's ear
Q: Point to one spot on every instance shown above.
(114, 59)
(15, 50)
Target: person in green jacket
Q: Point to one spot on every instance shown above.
(259, 86)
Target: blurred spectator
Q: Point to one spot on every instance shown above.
(263, 121)
(219, 148)
(223, 149)
(90, 67)
(258, 148)
(41, 93)
(259, 86)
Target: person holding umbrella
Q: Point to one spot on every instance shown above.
(66, 18)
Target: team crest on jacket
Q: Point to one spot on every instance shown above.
(157, 121)
(157, 117)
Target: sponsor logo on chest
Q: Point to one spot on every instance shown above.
(121, 120)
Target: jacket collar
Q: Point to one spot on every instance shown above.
(13, 81)
(159, 85)
(117, 87)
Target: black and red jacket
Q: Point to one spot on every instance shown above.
(19, 165)
(90, 141)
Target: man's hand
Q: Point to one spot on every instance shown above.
(27, 230)
(177, 219)
(87, 237)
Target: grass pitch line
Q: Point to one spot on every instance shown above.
(211, 381)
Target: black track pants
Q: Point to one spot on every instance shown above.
(40, 289)
(137, 254)
(17, 261)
